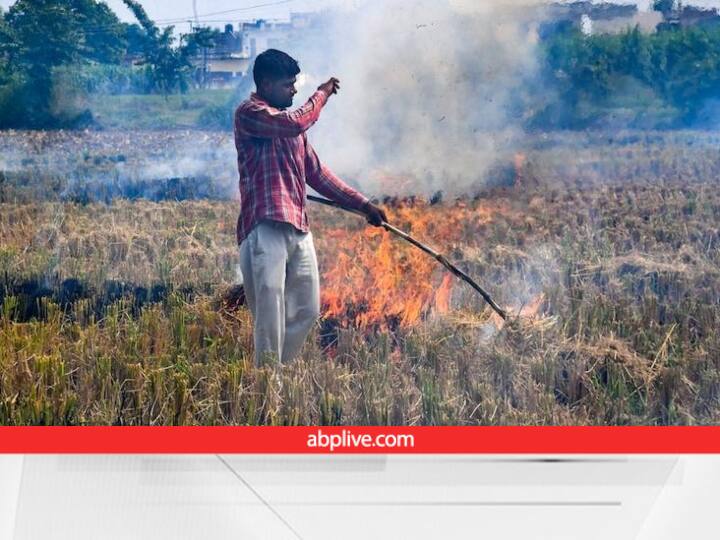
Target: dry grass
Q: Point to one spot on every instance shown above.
(113, 314)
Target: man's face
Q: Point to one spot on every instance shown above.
(279, 93)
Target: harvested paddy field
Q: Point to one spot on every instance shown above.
(604, 246)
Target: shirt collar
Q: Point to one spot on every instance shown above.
(255, 97)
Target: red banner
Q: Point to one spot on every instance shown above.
(362, 439)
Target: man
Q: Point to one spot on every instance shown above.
(275, 161)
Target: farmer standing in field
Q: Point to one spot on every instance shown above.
(275, 160)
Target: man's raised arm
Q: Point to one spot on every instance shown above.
(258, 120)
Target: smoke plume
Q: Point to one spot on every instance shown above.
(427, 89)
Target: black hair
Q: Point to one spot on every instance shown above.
(274, 64)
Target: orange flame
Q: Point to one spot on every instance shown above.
(532, 308)
(371, 278)
(529, 310)
(442, 296)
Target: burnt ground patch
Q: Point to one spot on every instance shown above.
(30, 296)
(30, 186)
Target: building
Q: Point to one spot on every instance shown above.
(585, 16)
(695, 16)
(224, 63)
(677, 16)
(574, 11)
(232, 57)
(261, 34)
(646, 21)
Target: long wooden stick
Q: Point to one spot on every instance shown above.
(439, 257)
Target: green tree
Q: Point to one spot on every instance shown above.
(202, 37)
(634, 55)
(664, 6)
(134, 37)
(577, 68)
(104, 34)
(4, 38)
(41, 35)
(587, 73)
(198, 42)
(170, 65)
(164, 61)
(686, 68)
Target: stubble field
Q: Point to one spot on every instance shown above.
(605, 247)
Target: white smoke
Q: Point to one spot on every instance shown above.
(10, 158)
(202, 157)
(425, 92)
(424, 103)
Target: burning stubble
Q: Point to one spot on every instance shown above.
(625, 333)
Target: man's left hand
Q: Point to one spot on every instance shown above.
(375, 214)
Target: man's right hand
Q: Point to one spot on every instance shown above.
(375, 215)
(330, 87)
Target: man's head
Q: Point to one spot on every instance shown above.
(274, 73)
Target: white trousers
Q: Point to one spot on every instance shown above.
(282, 288)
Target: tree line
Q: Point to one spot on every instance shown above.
(677, 69)
(667, 78)
(41, 38)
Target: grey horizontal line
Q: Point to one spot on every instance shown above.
(532, 460)
(448, 503)
(398, 504)
(554, 460)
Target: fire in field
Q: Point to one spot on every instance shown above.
(602, 248)
(549, 154)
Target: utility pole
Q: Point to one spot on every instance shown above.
(203, 76)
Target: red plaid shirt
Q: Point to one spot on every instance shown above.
(275, 160)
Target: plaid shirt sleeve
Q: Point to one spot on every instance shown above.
(256, 120)
(325, 182)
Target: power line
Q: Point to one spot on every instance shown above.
(247, 8)
(167, 22)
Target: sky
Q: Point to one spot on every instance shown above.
(180, 11)
(207, 10)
